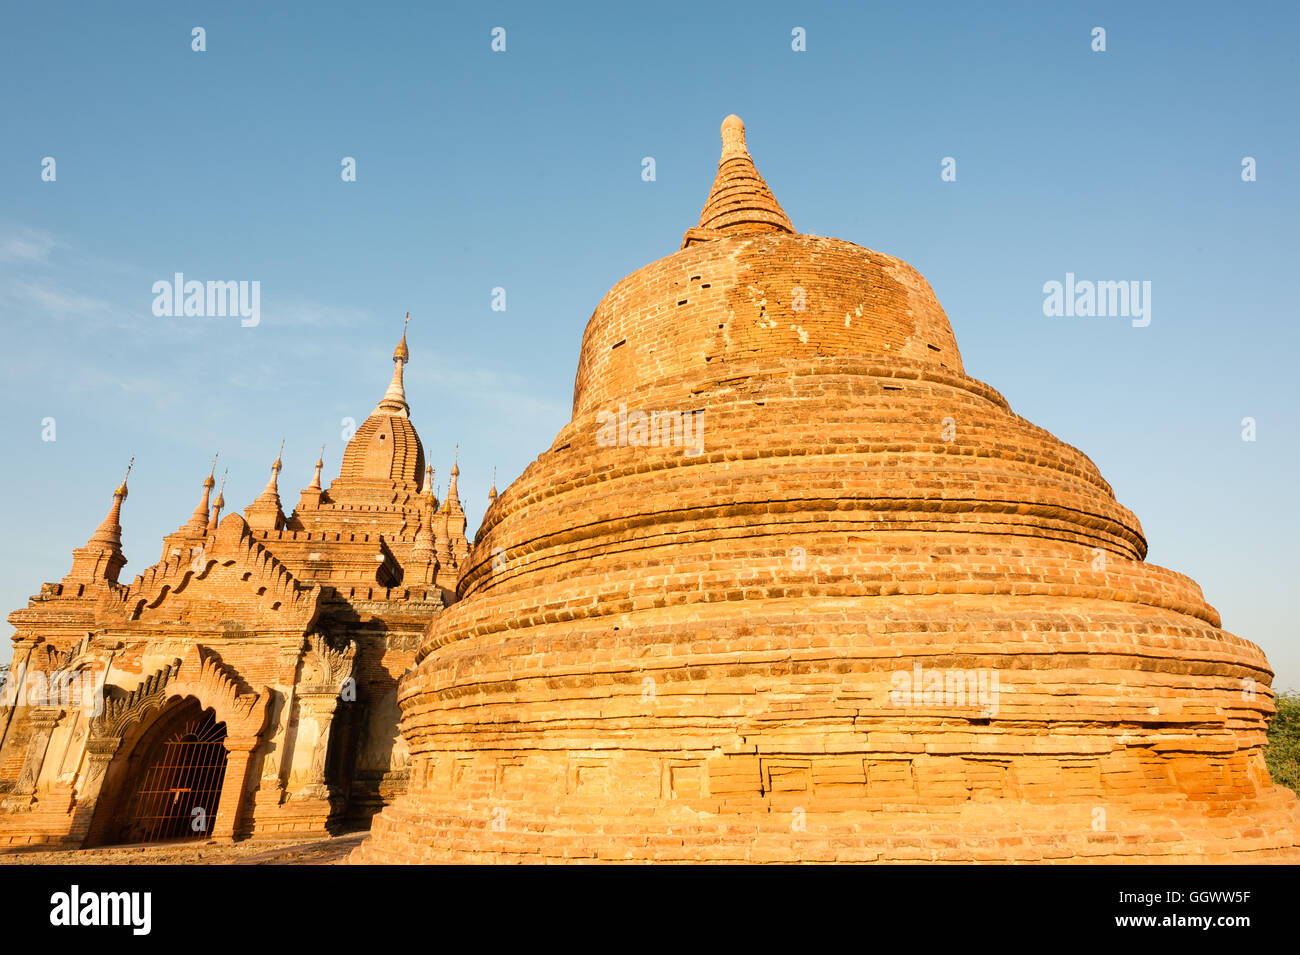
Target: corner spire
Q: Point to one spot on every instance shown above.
(219, 503)
(272, 488)
(451, 503)
(109, 531)
(740, 202)
(101, 559)
(394, 400)
(320, 463)
(265, 513)
(197, 525)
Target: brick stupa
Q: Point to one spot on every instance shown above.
(864, 613)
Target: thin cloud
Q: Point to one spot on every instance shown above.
(29, 246)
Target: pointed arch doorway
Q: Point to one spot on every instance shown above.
(173, 789)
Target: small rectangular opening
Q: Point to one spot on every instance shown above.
(621, 341)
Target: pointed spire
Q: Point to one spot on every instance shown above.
(453, 498)
(219, 503)
(101, 559)
(424, 552)
(109, 531)
(492, 493)
(265, 513)
(320, 463)
(197, 525)
(310, 496)
(394, 400)
(272, 488)
(740, 202)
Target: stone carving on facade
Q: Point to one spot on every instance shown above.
(325, 666)
(327, 670)
(48, 659)
(405, 642)
(42, 721)
(122, 709)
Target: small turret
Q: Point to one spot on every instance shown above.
(310, 496)
(265, 513)
(101, 559)
(219, 503)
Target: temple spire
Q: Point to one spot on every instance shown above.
(424, 552)
(452, 503)
(110, 529)
(492, 493)
(265, 513)
(219, 503)
(273, 485)
(101, 559)
(197, 525)
(740, 202)
(394, 400)
(310, 496)
(320, 463)
(429, 497)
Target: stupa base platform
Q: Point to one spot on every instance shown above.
(1159, 831)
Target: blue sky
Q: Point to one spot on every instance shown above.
(523, 170)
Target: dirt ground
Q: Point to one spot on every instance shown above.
(313, 851)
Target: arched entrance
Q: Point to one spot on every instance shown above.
(173, 778)
(179, 783)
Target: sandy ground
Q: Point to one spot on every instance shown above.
(313, 851)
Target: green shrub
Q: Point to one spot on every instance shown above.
(1283, 750)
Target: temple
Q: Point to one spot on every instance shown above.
(867, 614)
(246, 683)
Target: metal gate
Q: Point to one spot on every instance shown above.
(180, 787)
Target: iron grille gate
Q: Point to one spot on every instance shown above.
(186, 776)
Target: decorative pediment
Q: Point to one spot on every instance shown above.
(199, 674)
(122, 708)
(46, 658)
(233, 578)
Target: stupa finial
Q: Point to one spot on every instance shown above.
(121, 490)
(394, 400)
(740, 202)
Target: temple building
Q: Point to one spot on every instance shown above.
(246, 683)
(792, 586)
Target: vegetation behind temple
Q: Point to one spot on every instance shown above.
(1283, 751)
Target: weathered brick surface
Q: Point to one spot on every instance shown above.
(665, 656)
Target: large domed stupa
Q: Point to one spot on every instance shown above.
(791, 586)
